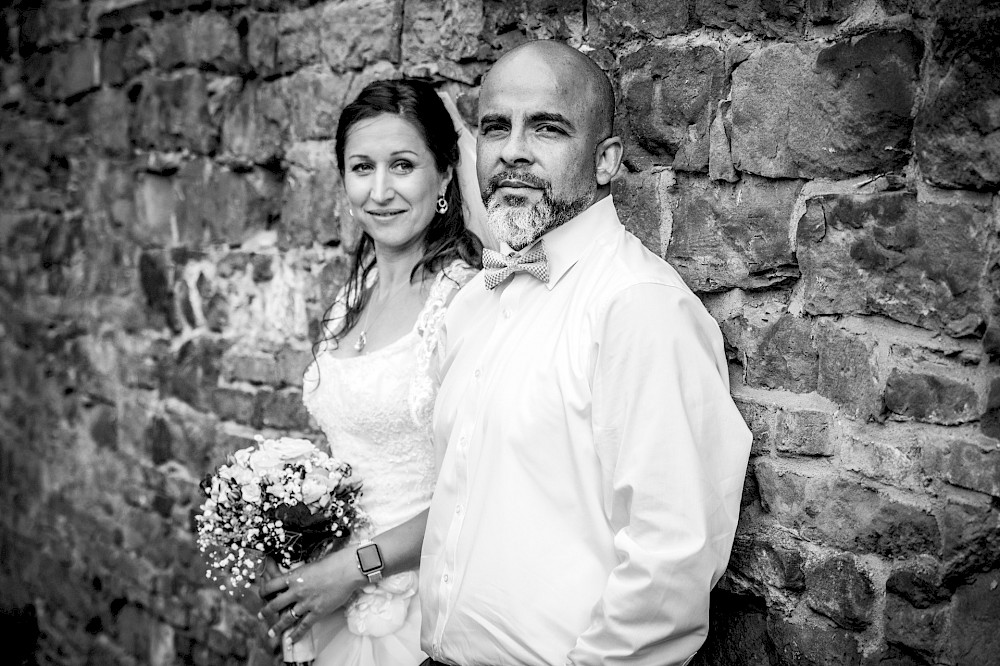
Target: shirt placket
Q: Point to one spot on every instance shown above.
(483, 372)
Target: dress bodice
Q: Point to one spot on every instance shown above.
(376, 408)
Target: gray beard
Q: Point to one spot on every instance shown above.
(518, 224)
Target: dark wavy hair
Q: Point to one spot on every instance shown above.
(447, 238)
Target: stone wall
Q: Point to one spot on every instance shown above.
(823, 172)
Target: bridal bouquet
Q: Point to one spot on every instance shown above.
(283, 498)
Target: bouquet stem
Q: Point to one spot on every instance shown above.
(301, 652)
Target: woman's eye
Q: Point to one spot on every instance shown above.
(403, 166)
(361, 167)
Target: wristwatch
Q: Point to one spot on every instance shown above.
(370, 561)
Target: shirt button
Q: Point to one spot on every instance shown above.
(506, 314)
(477, 373)
(458, 509)
(446, 578)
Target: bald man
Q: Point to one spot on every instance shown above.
(591, 458)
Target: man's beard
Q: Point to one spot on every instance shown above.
(516, 222)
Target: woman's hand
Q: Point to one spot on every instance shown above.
(297, 599)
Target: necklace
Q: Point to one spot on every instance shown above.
(359, 346)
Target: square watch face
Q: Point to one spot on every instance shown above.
(369, 558)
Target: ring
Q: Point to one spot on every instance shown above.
(291, 611)
(300, 580)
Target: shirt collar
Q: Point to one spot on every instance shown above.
(567, 243)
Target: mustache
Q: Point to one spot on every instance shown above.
(528, 179)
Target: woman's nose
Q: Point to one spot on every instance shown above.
(382, 190)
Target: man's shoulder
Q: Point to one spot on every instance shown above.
(631, 263)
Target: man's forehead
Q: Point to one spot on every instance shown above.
(526, 94)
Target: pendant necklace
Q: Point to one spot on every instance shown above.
(359, 346)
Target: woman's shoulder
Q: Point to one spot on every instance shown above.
(455, 275)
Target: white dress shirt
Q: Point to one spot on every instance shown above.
(591, 462)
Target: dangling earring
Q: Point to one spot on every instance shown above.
(350, 211)
(442, 205)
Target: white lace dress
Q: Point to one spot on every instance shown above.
(376, 412)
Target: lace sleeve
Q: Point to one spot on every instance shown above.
(452, 278)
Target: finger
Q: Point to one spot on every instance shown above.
(302, 626)
(273, 609)
(274, 585)
(285, 621)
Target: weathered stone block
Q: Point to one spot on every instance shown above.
(314, 97)
(918, 263)
(970, 535)
(768, 18)
(235, 405)
(224, 205)
(312, 200)
(973, 638)
(842, 513)
(889, 456)
(440, 31)
(621, 20)
(957, 132)
(786, 357)
(930, 398)
(64, 73)
(255, 124)
(847, 371)
(357, 33)
(284, 409)
(53, 22)
(247, 365)
(768, 560)
(805, 110)
(108, 112)
(726, 236)
(292, 363)
(760, 419)
(507, 24)
(840, 589)
(124, 55)
(669, 98)
(919, 583)
(639, 199)
(207, 40)
(812, 645)
(173, 112)
(194, 373)
(804, 432)
(990, 421)
(918, 629)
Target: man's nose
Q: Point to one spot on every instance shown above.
(515, 149)
(382, 190)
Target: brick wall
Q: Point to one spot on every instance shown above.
(823, 172)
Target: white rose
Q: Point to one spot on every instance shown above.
(290, 448)
(265, 458)
(251, 493)
(313, 490)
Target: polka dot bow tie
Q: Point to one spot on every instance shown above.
(498, 268)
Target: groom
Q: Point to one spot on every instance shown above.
(592, 459)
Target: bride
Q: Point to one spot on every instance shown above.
(370, 387)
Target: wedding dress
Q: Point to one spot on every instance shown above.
(376, 412)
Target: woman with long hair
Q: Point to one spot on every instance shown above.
(370, 386)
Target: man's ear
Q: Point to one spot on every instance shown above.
(608, 158)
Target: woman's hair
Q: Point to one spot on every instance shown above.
(447, 238)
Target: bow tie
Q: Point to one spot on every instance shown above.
(498, 268)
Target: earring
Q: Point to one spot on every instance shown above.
(350, 211)
(442, 205)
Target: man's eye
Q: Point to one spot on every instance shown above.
(492, 129)
(550, 129)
